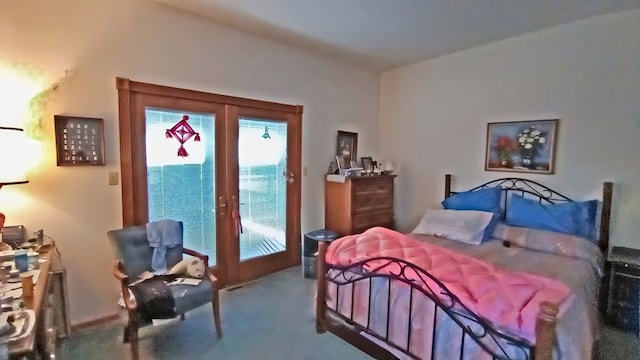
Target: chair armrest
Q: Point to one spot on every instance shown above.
(117, 271)
(204, 258)
(124, 286)
(190, 252)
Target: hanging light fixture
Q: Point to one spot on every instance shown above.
(266, 133)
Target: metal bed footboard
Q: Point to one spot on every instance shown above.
(390, 272)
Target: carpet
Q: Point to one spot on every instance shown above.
(269, 319)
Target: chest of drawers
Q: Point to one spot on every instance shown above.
(623, 305)
(361, 202)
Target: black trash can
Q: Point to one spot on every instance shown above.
(310, 247)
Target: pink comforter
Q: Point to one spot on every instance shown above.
(506, 298)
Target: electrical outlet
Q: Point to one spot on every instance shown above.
(113, 178)
(305, 171)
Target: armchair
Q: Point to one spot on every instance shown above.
(133, 257)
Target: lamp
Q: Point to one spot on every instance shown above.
(14, 154)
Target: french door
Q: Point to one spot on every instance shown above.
(236, 189)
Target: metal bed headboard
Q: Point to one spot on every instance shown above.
(533, 189)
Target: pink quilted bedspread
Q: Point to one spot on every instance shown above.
(506, 298)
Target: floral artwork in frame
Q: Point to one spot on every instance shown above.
(521, 146)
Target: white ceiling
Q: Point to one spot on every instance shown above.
(384, 34)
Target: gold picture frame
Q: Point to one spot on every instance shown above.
(521, 146)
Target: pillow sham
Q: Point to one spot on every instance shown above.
(589, 223)
(574, 218)
(480, 200)
(467, 226)
(551, 242)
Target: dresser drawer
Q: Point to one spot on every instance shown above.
(625, 304)
(628, 270)
(374, 187)
(367, 220)
(372, 203)
(364, 228)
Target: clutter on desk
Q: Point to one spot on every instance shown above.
(15, 325)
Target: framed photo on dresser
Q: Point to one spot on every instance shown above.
(346, 149)
(79, 141)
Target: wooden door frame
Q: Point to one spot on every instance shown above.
(134, 194)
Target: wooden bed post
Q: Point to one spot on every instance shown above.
(605, 218)
(447, 186)
(321, 293)
(546, 330)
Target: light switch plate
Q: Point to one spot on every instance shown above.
(113, 178)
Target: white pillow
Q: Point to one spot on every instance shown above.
(466, 226)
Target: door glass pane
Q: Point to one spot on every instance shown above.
(183, 187)
(262, 156)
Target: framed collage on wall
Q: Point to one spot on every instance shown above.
(79, 141)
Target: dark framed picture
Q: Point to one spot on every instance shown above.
(367, 163)
(79, 141)
(347, 148)
(521, 146)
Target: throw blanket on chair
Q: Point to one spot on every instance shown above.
(161, 235)
(506, 298)
(154, 298)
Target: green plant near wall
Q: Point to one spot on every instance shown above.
(34, 123)
(34, 126)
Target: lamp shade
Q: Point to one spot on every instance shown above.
(16, 156)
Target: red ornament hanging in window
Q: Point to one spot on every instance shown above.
(182, 131)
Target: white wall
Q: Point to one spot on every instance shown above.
(145, 41)
(587, 74)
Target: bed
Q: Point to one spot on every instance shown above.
(420, 296)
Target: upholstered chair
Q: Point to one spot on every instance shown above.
(133, 258)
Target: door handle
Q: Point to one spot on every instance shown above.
(288, 178)
(235, 213)
(222, 205)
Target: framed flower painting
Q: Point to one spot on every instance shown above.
(521, 146)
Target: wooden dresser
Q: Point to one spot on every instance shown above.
(361, 202)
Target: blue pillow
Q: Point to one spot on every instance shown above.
(588, 211)
(574, 218)
(481, 200)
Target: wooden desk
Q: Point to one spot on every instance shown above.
(41, 341)
(28, 344)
